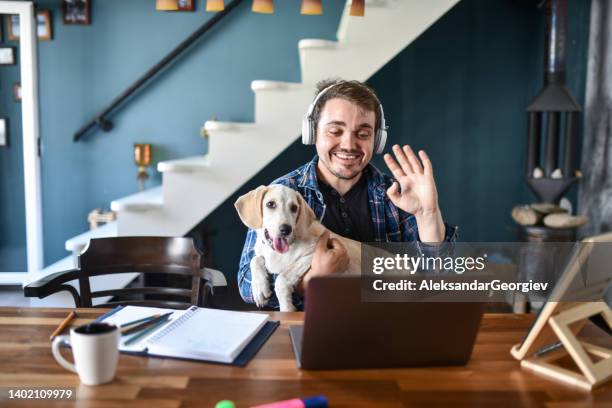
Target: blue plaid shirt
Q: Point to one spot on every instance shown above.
(390, 223)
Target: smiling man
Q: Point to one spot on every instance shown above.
(349, 195)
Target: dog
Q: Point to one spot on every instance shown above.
(287, 233)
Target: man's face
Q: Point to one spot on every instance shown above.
(345, 138)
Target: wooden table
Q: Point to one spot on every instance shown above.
(492, 378)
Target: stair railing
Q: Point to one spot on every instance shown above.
(101, 119)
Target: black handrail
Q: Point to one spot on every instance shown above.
(102, 121)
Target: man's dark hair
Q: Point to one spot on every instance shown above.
(353, 91)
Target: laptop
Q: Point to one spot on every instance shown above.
(342, 332)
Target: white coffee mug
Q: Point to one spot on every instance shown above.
(95, 348)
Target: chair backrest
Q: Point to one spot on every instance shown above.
(159, 255)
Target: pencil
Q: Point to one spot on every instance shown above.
(144, 319)
(148, 330)
(144, 325)
(63, 324)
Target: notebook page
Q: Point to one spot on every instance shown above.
(208, 334)
(131, 313)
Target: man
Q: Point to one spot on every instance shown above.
(350, 196)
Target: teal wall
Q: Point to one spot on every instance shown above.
(459, 92)
(85, 67)
(12, 202)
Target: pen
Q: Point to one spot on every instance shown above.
(146, 331)
(144, 319)
(143, 325)
(63, 324)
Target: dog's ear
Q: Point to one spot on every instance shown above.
(249, 207)
(305, 217)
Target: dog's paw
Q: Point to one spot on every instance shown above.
(261, 291)
(288, 308)
(258, 263)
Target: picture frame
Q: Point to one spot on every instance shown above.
(17, 91)
(76, 12)
(44, 30)
(7, 55)
(4, 132)
(12, 27)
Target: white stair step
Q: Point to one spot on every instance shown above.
(147, 200)
(316, 60)
(347, 18)
(233, 143)
(63, 264)
(187, 165)
(277, 102)
(317, 44)
(212, 125)
(77, 243)
(264, 85)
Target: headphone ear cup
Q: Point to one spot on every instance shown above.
(381, 139)
(313, 132)
(306, 131)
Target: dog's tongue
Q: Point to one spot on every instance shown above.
(280, 245)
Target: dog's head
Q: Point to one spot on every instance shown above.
(280, 211)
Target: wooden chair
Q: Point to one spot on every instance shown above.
(147, 255)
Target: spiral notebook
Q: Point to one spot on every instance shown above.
(203, 334)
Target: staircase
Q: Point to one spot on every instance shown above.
(193, 187)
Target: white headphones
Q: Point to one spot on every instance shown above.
(309, 130)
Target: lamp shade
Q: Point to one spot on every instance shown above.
(357, 8)
(166, 5)
(263, 6)
(215, 5)
(311, 7)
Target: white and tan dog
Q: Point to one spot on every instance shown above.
(287, 233)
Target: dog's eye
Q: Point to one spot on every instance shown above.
(294, 208)
(271, 204)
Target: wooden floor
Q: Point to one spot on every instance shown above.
(492, 378)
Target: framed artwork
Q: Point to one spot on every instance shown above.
(185, 5)
(76, 12)
(4, 140)
(17, 91)
(12, 24)
(7, 56)
(43, 26)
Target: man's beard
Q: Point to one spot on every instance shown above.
(341, 176)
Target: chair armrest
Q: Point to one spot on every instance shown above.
(215, 277)
(54, 283)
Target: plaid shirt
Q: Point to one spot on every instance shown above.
(390, 223)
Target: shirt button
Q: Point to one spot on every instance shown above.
(342, 200)
(344, 214)
(347, 230)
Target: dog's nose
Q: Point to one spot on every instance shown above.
(285, 229)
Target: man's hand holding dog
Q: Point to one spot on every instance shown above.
(329, 257)
(415, 191)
